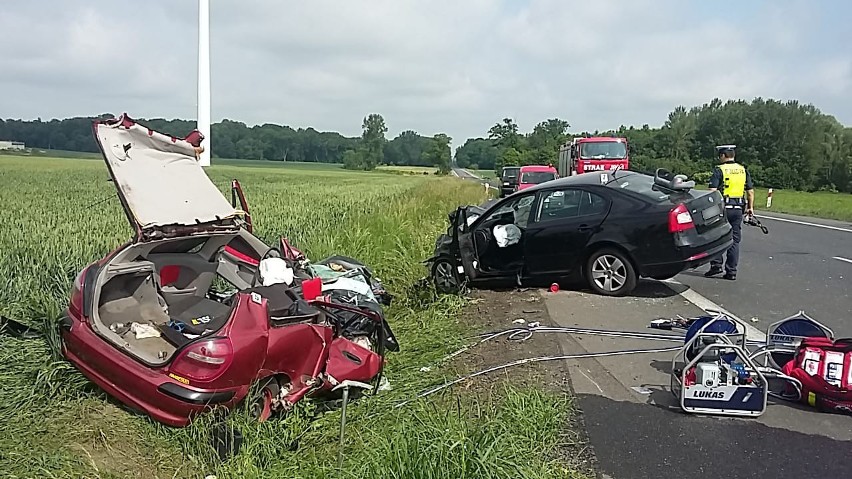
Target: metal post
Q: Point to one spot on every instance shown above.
(204, 79)
(342, 428)
(769, 198)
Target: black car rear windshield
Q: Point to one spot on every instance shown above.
(642, 184)
(510, 173)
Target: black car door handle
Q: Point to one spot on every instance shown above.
(584, 227)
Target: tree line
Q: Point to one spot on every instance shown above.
(233, 139)
(783, 144)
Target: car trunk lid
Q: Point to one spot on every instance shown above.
(162, 188)
(707, 209)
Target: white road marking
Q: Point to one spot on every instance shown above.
(592, 380)
(705, 304)
(843, 259)
(846, 230)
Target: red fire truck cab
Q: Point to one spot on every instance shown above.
(600, 153)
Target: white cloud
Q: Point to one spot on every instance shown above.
(456, 67)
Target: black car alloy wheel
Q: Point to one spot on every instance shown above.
(445, 276)
(610, 272)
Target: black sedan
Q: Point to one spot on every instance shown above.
(610, 228)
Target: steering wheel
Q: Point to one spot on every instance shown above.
(272, 252)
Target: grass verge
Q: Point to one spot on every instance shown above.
(61, 214)
(819, 204)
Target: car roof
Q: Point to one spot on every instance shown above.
(584, 179)
(537, 168)
(511, 167)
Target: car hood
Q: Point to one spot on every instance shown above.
(160, 183)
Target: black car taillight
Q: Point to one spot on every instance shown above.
(680, 219)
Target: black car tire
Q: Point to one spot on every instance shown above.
(445, 276)
(612, 265)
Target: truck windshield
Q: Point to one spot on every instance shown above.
(536, 177)
(603, 149)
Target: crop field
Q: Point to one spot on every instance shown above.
(60, 214)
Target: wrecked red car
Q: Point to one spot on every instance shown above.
(195, 312)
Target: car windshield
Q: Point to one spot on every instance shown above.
(603, 149)
(536, 177)
(644, 185)
(513, 173)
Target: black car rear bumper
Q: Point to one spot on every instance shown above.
(195, 397)
(692, 258)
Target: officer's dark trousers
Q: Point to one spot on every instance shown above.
(735, 217)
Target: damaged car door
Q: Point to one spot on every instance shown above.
(560, 229)
(492, 246)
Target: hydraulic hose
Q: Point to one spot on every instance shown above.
(525, 333)
(537, 360)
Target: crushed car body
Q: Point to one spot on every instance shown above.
(195, 312)
(608, 228)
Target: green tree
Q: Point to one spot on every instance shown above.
(505, 134)
(353, 160)
(477, 151)
(439, 153)
(373, 140)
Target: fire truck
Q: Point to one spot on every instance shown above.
(599, 153)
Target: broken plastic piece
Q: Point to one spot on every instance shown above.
(17, 330)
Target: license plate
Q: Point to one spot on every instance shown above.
(711, 212)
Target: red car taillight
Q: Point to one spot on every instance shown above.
(75, 306)
(680, 219)
(204, 360)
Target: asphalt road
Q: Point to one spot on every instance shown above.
(462, 173)
(636, 440)
(645, 434)
(793, 268)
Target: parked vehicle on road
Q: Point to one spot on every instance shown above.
(196, 312)
(508, 180)
(608, 228)
(531, 175)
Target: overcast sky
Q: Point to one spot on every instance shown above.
(432, 66)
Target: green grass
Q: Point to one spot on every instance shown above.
(821, 204)
(61, 214)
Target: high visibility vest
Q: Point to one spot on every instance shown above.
(733, 182)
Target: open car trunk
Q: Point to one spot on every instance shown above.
(146, 288)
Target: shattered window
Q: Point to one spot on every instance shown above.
(562, 204)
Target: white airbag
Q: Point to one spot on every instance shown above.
(507, 235)
(275, 271)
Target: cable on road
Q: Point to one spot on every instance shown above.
(525, 333)
(537, 360)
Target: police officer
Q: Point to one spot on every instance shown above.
(734, 182)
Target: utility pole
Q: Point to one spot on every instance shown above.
(204, 79)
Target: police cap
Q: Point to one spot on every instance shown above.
(726, 149)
